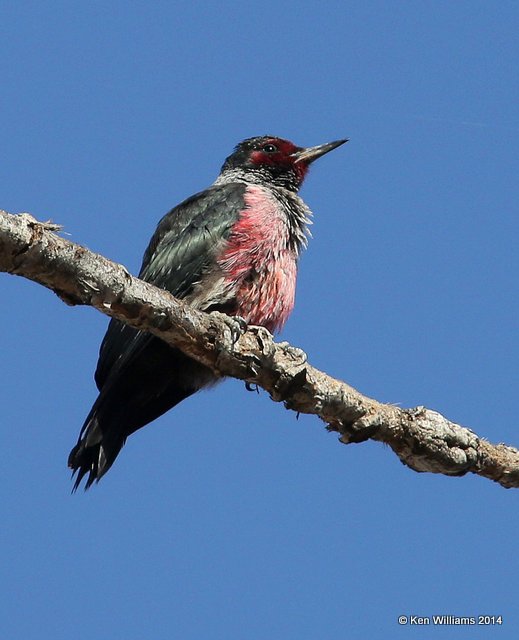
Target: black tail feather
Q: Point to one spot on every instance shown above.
(89, 460)
(93, 454)
(131, 397)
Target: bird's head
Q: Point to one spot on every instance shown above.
(271, 160)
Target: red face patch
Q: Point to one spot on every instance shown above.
(278, 152)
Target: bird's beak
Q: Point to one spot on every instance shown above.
(312, 153)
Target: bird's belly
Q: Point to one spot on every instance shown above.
(259, 262)
(265, 296)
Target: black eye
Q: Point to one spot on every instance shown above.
(270, 148)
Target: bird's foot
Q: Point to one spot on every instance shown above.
(238, 327)
(243, 324)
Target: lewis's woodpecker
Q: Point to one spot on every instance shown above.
(232, 248)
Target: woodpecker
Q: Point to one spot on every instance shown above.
(232, 248)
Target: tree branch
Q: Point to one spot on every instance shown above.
(423, 439)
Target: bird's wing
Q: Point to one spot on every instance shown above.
(184, 245)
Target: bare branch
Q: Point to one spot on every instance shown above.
(422, 439)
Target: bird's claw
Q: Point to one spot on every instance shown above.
(237, 326)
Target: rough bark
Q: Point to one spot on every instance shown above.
(423, 439)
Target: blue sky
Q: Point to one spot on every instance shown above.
(228, 518)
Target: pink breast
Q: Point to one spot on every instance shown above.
(258, 262)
